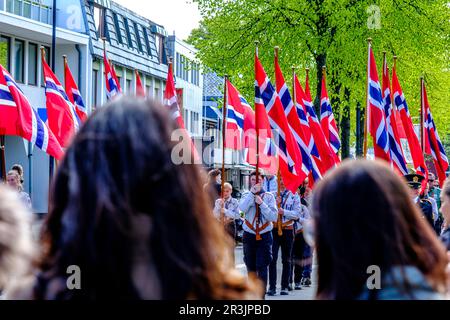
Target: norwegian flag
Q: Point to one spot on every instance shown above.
(140, 92)
(74, 94)
(289, 155)
(328, 122)
(267, 149)
(20, 119)
(405, 117)
(397, 156)
(432, 141)
(326, 159)
(293, 119)
(62, 116)
(376, 119)
(315, 174)
(170, 101)
(113, 89)
(234, 119)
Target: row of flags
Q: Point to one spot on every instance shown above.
(290, 135)
(387, 115)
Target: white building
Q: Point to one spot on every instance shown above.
(189, 84)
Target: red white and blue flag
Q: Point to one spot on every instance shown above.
(140, 92)
(413, 141)
(113, 89)
(328, 122)
(376, 119)
(62, 117)
(20, 119)
(293, 119)
(326, 160)
(74, 94)
(397, 155)
(315, 174)
(289, 155)
(432, 142)
(234, 119)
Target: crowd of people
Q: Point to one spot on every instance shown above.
(133, 222)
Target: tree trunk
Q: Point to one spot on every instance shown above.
(345, 126)
(321, 61)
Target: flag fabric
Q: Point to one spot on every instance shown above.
(376, 120)
(397, 155)
(329, 127)
(267, 149)
(62, 117)
(234, 119)
(315, 174)
(140, 92)
(292, 118)
(405, 117)
(289, 156)
(113, 89)
(432, 142)
(326, 159)
(18, 118)
(74, 94)
(170, 101)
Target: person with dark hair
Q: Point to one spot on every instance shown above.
(380, 229)
(19, 169)
(260, 211)
(283, 237)
(445, 209)
(214, 185)
(126, 215)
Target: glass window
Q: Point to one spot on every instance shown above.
(138, 37)
(127, 29)
(45, 14)
(18, 60)
(18, 7)
(156, 93)
(147, 43)
(4, 51)
(9, 5)
(94, 88)
(27, 9)
(32, 63)
(35, 11)
(99, 20)
(116, 25)
(129, 86)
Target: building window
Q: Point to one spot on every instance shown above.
(194, 122)
(156, 97)
(148, 92)
(27, 9)
(94, 88)
(5, 43)
(138, 37)
(130, 86)
(147, 43)
(116, 25)
(18, 7)
(19, 55)
(32, 63)
(127, 29)
(99, 19)
(160, 46)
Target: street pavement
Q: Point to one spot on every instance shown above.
(307, 293)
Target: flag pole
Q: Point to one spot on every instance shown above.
(224, 128)
(2, 148)
(422, 118)
(51, 166)
(279, 220)
(258, 236)
(366, 120)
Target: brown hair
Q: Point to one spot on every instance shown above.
(120, 202)
(364, 216)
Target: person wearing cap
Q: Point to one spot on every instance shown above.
(415, 183)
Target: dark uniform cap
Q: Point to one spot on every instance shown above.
(414, 180)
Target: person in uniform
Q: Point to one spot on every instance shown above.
(283, 236)
(271, 184)
(415, 183)
(257, 239)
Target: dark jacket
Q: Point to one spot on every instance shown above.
(445, 238)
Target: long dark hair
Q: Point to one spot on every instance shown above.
(133, 221)
(364, 216)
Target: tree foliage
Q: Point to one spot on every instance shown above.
(313, 33)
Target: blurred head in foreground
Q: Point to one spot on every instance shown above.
(365, 220)
(130, 219)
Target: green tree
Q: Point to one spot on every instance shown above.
(314, 33)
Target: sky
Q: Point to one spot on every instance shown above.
(180, 16)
